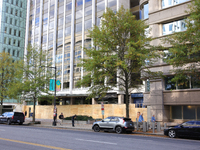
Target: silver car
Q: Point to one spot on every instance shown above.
(117, 124)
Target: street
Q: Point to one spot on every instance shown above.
(15, 137)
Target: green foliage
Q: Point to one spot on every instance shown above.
(36, 74)
(185, 50)
(120, 50)
(45, 99)
(80, 117)
(9, 76)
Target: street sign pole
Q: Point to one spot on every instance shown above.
(102, 109)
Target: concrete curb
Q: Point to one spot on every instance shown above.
(82, 128)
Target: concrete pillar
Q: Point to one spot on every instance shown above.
(94, 101)
(120, 99)
(72, 100)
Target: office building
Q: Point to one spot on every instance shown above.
(12, 35)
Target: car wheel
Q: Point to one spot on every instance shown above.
(8, 122)
(96, 128)
(172, 133)
(118, 129)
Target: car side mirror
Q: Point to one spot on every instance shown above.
(102, 120)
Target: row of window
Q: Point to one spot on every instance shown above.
(13, 11)
(15, 2)
(11, 41)
(188, 82)
(12, 31)
(144, 13)
(13, 21)
(168, 3)
(185, 112)
(14, 52)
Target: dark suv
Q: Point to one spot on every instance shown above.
(117, 124)
(12, 117)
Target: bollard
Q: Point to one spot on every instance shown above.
(144, 127)
(153, 127)
(137, 124)
(158, 127)
(165, 126)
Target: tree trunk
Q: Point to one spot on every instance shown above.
(127, 96)
(34, 101)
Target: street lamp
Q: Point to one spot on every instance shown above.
(55, 109)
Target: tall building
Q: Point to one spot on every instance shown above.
(167, 100)
(12, 34)
(61, 27)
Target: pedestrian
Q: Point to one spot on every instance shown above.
(153, 119)
(61, 117)
(73, 117)
(141, 119)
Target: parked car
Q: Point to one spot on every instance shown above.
(12, 117)
(186, 129)
(117, 124)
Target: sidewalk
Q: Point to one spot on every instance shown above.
(64, 125)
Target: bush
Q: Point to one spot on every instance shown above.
(80, 117)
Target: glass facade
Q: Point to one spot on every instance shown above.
(69, 37)
(13, 23)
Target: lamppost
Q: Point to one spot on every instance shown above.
(55, 109)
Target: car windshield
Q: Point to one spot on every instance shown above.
(107, 119)
(4, 114)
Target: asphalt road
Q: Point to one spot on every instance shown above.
(16, 137)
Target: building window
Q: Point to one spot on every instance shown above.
(11, 1)
(16, 2)
(112, 3)
(175, 26)
(17, 53)
(9, 51)
(15, 32)
(18, 43)
(20, 14)
(10, 31)
(10, 20)
(13, 52)
(168, 3)
(15, 22)
(21, 5)
(10, 41)
(19, 33)
(5, 38)
(14, 42)
(11, 11)
(185, 112)
(145, 11)
(16, 12)
(5, 30)
(6, 9)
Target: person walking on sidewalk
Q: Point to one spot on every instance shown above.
(61, 117)
(73, 117)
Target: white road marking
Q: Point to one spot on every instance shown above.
(97, 141)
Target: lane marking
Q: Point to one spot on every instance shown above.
(34, 144)
(97, 141)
